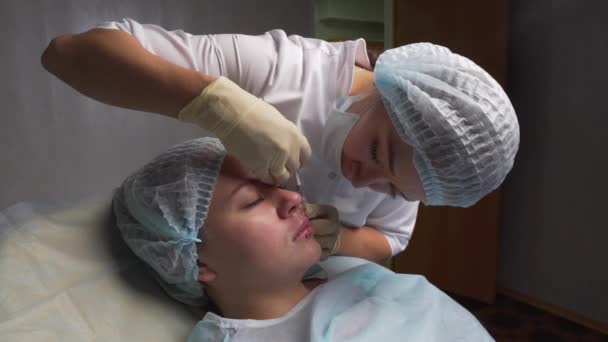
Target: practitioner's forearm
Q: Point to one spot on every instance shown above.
(113, 67)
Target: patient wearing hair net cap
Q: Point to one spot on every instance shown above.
(161, 207)
(457, 118)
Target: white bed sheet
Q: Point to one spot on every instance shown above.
(65, 275)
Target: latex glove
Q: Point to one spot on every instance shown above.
(325, 220)
(252, 130)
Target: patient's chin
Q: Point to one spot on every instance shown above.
(308, 254)
(315, 251)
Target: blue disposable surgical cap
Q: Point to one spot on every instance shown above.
(161, 208)
(457, 118)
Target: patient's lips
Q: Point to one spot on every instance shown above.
(304, 231)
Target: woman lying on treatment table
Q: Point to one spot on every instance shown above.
(217, 239)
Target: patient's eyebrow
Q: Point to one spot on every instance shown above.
(242, 184)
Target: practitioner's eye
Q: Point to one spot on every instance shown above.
(373, 151)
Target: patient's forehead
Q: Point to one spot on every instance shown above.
(233, 168)
(231, 176)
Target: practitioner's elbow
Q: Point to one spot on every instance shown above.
(55, 55)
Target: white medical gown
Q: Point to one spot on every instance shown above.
(364, 303)
(302, 78)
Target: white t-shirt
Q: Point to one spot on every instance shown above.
(361, 301)
(302, 78)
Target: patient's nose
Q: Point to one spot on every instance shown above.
(289, 202)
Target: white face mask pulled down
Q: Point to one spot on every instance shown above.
(336, 129)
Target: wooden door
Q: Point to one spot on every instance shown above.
(456, 248)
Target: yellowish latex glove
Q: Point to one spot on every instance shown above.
(252, 130)
(325, 220)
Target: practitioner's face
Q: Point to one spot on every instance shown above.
(255, 233)
(375, 156)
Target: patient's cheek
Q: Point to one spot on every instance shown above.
(246, 233)
(236, 232)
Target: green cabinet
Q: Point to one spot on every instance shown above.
(349, 19)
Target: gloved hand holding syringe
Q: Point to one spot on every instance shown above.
(325, 220)
(252, 130)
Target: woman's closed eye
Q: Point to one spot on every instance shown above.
(252, 196)
(254, 203)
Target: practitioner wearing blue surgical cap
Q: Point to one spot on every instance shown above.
(425, 125)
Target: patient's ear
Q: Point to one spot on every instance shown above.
(205, 273)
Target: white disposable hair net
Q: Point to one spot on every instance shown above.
(457, 118)
(161, 207)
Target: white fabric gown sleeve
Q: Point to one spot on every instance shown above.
(178, 47)
(395, 217)
(249, 61)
